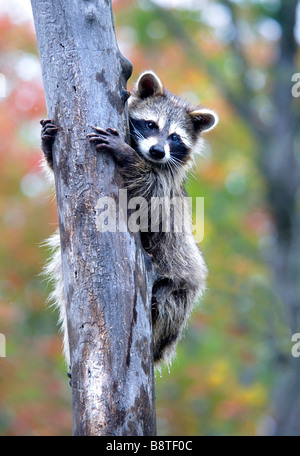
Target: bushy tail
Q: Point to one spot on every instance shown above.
(53, 272)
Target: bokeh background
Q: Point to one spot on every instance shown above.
(235, 374)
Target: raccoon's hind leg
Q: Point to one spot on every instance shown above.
(171, 305)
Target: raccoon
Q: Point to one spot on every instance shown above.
(165, 134)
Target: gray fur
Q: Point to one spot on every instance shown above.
(177, 260)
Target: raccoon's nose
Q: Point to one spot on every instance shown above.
(157, 152)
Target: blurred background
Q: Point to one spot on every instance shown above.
(235, 373)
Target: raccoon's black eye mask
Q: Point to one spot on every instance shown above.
(143, 128)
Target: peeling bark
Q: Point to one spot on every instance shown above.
(106, 281)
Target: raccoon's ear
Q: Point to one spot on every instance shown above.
(204, 119)
(148, 84)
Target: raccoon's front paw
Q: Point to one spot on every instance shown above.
(48, 133)
(108, 140)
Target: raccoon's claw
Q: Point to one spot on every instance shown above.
(97, 138)
(113, 131)
(49, 130)
(44, 121)
(47, 123)
(98, 130)
(106, 132)
(108, 139)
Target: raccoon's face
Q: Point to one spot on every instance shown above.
(164, 128)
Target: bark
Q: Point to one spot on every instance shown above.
(106, 281)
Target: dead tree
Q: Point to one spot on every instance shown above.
(106, 282)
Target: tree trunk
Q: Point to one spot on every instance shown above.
(106, 282)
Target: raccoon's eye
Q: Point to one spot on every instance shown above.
(174, 137)
(151, 125)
